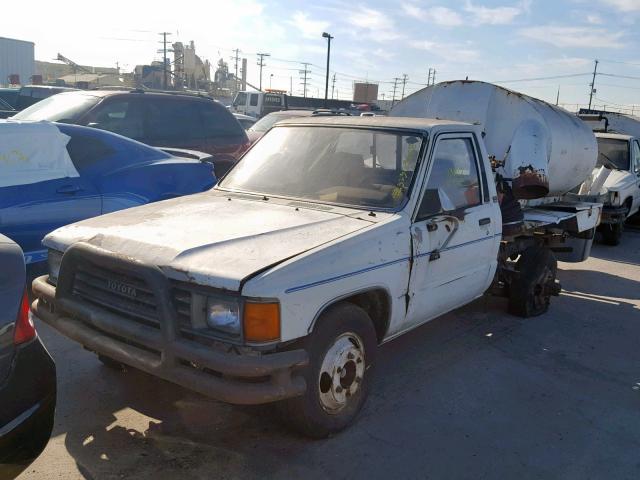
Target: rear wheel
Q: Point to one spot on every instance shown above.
(530, 291)
(612, 234)
(342, 352)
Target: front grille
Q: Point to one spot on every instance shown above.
(182, 303)
(124, 294)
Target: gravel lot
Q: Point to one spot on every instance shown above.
(474, 394)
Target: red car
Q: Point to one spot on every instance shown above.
(160, 119)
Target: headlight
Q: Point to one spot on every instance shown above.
(54, 260)
(223, 315)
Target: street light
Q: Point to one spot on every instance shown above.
(326, 84)
(270, 78)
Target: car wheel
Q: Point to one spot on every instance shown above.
(530, 291)
(342, 350)
(612, 234)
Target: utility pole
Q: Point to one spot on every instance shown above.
(291, 85)
(404, 82)
(593, 83)
(236, 59)
(333, 85)
(305, 72)
(431, 77)
(261, 64)
(558, 96)
(395, 86)
(164, 57)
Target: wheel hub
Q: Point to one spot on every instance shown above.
(341, 372)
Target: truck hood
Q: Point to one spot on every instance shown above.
(211, 238)
(619, 179)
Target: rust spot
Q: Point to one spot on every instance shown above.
(530, 183)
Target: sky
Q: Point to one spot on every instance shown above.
(533, 46)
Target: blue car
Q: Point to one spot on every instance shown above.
(55, 174)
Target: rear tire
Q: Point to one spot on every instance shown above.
(612, 234)
(530, 291)
(342, 351)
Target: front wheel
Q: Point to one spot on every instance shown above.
(342, 352)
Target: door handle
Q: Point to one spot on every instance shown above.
(69, 189)
(484, 221)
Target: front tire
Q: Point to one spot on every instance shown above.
(342, 351)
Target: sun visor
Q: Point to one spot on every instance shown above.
(32, 152)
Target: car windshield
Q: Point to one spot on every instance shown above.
(63, 107)
(613, 153)
(268, 121)
(348, 166)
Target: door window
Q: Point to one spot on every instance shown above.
(453, 182)
(217, 121)
(122, 117)
(169, 120)
(254, 100)
(636, 157)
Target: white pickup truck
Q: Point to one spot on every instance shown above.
(616, 180)
(331, 236)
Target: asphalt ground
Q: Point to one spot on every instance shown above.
(474, 394)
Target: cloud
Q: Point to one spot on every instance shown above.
(625, 5)
(496, 15)
(452, 52)
(573, 37)
(439, 15)
(373, 24)
(594, 19)
(308, 27)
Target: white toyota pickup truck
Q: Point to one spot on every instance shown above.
(330, 237)
(616, 180)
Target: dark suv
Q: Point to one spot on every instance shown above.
(167, 120)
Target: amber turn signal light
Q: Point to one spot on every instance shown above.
(261, 322)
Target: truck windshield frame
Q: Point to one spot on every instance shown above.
(361, 167)
(613, 151)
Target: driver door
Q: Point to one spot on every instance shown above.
(453, 233)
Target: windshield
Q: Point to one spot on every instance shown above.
(268, 121)
(613, 153)
(59, 108)
(349, 166)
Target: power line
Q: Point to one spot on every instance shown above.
(555, 77)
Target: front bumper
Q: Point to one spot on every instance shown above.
(223, 375)
(613, 215)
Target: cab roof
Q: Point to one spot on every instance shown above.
(614, 136)
(408, 123)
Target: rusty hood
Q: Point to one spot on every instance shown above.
(212, 238)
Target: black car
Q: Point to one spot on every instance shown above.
(160, 119)
(27, 371)
(32, 94)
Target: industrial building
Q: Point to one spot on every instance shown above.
(17, 61)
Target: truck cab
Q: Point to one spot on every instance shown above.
(331, 236)
(616, 179)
